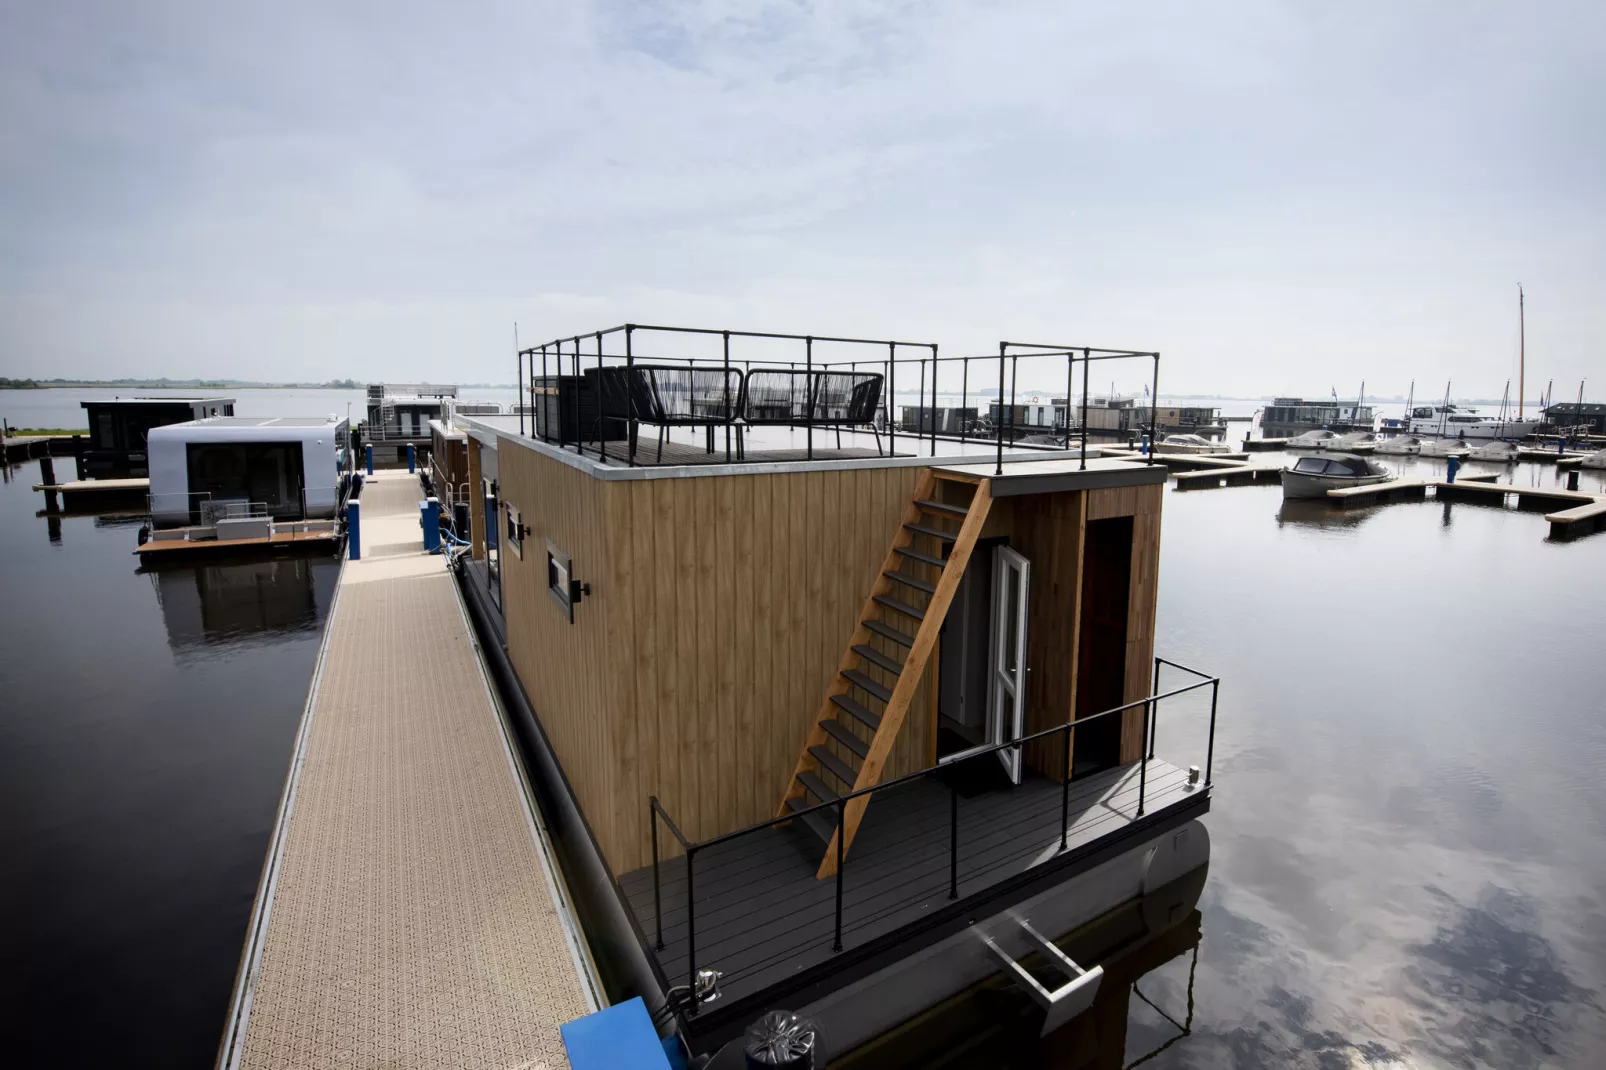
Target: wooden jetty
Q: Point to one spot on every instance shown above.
(410, 912)
(1393, 490)
(1527, 497)
(1235, 476)
(1264, 445)
(1579, 520)
(95, 495)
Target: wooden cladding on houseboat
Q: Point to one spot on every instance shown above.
(718, 609)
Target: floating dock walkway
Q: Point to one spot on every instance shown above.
(410, 913)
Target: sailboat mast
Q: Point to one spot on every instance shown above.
(1444, 413)
(1522, 349)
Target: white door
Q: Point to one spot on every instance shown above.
(1006, 701)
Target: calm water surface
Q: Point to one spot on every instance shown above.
(146, 723)
(1409, 828)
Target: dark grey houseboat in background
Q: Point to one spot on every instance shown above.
(118, 428)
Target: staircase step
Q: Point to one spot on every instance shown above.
(819, 825)
(929, 506)
(844, 735)
(860, 713)
(916, 555)
(905, 578)
(822, 791)
(878, 659)
(889, 632)
(835, 766)
(900, 607)
(935, 533)
(859, 679)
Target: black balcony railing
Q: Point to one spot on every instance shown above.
(1064, 733)
(578, 393)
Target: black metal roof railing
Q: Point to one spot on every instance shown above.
(543, 368)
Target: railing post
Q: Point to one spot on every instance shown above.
(953, 838)
(1149, 708)
(922, 401)
(1065, 794)
(602, 419)
(657, 900)
(964, 395)
(841, 830)
(691, 933)
(1210, 748)
(1154, 410)
(892, 399)
(999, 429)
(1085, 364)
(934, 368)
(808, 391)
(1154, 730)
(632, 427)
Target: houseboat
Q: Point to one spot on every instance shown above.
(825, 716)
(119, 429)
(1291, 417)
(242, 484)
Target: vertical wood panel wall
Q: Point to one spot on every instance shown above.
(1047, 529)
(1143, 505)
(720, 606)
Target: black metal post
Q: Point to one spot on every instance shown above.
(999, 468)
(964, 395)
(934, 369)
(1154, 731)
(520, 395)
(1143, 758)
(726, 391)
(1065, 792)
(1154, 410)
(1210, 749)
(921, 405)
(602, 427)
(1070, 396)
(1085, 364)
(632, 427)
(1014, 382)
(841, 830)
(892, 397)
(691, 933)
(953, 839)
(808, 391)
(657, 900)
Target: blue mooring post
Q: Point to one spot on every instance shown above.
(1454, 463)
(1145, 448)
(410, 458)
(429, 515)
(354, 530)
(1561, 446)
(370, 458)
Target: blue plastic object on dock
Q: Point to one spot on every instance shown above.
(370, 458)
(620, 1037)
(411, 458)
(429, 516)
(1452, 466)
(354, 530)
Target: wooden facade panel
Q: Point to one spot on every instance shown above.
(476, 508)
(1047, 529)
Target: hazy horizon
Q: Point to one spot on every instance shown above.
(1279, 196)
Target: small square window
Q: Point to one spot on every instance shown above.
(558, 576)
(515, 532)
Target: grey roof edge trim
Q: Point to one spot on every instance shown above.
(1131, 474)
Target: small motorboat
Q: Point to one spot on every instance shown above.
(1400, 446)
(1313, 477)
(1190, 444)
(1355, 441)
(1314, 440)
(1594, 460)
(1444, 447)
(1497, 451)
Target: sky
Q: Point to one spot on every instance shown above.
(1280, 197)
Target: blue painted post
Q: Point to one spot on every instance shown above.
(411, 460)
(354, 530)
(1561, 446)
(1454, 463)
(370, 458)
(429, 515)
(1145, 448)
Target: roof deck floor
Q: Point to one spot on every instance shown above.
(761, 915)
(409, 915)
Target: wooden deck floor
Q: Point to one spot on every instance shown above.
(761, 915)
(409, 916)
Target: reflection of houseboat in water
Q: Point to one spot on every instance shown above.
(218, 603)
(232, 484)
(829, 719)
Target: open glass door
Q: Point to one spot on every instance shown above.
(1006, 703)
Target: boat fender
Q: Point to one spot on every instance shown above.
(1177, 852)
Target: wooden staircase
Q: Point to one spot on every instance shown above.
(913, 591)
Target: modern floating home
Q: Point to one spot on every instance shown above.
(824, 715)
(242, 483)
(120, 427)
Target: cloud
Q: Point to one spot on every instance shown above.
(1276, 195)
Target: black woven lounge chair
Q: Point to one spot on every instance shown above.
(822, 398)
(668, 396)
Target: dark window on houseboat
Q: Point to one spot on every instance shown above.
(558, 574)
(515, 532)
(1101, 684)
(251, 473)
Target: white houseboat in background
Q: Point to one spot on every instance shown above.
(234, 482)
